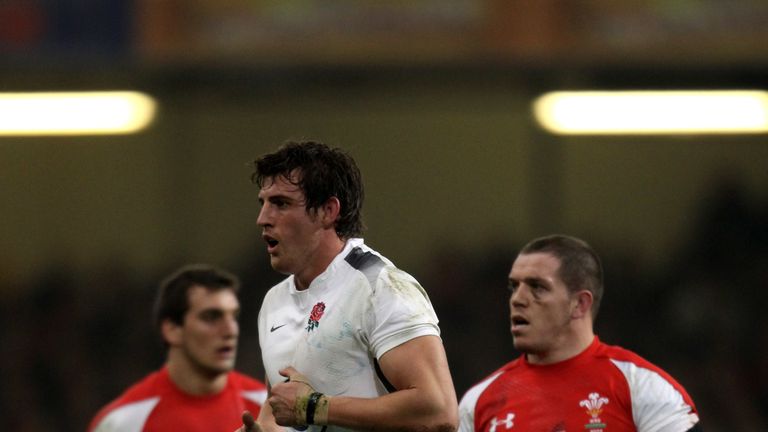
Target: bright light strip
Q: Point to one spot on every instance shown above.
(75, 113)
(653, 112)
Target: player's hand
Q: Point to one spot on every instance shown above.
(249, 424)
(289, 399)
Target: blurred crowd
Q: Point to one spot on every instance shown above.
(72, 342)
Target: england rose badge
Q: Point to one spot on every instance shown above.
(315, 315)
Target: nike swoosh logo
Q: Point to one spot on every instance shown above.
(273, 328)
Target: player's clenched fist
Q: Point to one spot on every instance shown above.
(296, 403)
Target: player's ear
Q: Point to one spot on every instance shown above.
(581, 304)
(171, 332)
(330, 211)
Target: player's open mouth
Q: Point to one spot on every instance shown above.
(519, 322)
(271, 242)
(226, 350)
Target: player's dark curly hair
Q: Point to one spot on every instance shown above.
(320, 172)
(580, 266)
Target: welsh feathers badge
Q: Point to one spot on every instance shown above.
(314, 317)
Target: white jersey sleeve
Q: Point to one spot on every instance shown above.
(400, 310)
(657, 406)
(469, 402)
(128, 418)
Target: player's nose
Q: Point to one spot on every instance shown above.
(231, 328)
(265, 215)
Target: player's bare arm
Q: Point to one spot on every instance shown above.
(425, 399)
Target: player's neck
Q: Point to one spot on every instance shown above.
(569, 347)
(321, 258)
(193, 381)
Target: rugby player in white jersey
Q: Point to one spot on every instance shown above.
(348, 340)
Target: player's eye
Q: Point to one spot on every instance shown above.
(210, 315)
(279, 202)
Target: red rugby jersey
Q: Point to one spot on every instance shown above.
(603, 389)
(155, 404)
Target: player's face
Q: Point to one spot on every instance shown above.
(540, 306)
(210, 330)
(293, 234)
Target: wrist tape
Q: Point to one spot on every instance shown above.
(317, 409)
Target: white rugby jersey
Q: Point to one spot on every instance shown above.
(335, 331)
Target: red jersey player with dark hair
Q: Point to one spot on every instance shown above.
(197, 390)
(567, 379)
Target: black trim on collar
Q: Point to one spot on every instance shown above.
(361, 260)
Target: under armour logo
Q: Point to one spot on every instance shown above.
(508, 423)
